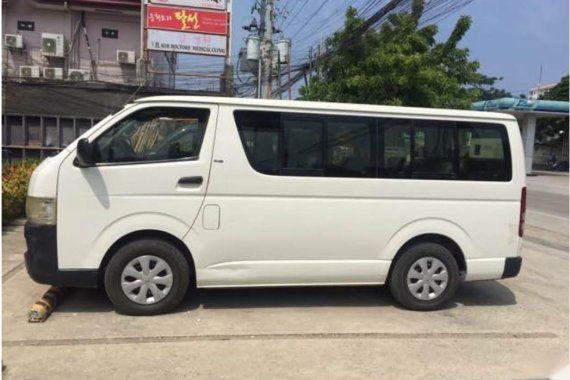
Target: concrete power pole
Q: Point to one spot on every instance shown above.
(228, 81)
(266, 47)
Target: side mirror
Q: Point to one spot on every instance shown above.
(85, 157)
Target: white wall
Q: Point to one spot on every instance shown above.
(59, 20)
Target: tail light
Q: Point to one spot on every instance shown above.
(523, 212)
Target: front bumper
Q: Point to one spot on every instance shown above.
(41, 260)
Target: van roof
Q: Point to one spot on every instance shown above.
(324, 106)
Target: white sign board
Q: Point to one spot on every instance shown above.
(211, 4)
(189, 43)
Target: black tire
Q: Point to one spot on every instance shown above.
(158, 248)
(398, 277)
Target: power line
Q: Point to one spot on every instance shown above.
(296, 14)
(434, 10)
(310, 18)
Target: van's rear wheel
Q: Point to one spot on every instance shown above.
(147, 277)
(425, 277)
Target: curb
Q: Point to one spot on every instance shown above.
(548, 173)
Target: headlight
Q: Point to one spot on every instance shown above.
(41, 210)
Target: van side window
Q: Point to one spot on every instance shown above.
(484, 153)
(433, 149)
(350, 147)
(395, 146)
(259, 133)
(298, 144)
(303, 146)
(153, 134)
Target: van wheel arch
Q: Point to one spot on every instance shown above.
(149, 234)
(442, 240)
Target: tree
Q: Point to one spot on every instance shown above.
(488, 92)
(399, 64)
(558, 92)
(549, 130)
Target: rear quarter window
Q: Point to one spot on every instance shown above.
(484, 152)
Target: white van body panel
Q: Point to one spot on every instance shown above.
(244, 228)
(103, 203)
(279, 230)
(43, 182)
(484, 269)
(307, 273)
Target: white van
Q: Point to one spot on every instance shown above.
(174, 192)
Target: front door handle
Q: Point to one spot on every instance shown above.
(191, 180)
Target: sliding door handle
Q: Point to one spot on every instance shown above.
(190, 181)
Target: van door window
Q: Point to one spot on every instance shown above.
(259, 133)
(153, 134)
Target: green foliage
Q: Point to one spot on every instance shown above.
(15, 180)
(399, 64)
(549, 130)
(558, 92)
(488, 92)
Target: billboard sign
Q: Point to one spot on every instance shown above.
(188, 43)
(186, 20)
(210, 4)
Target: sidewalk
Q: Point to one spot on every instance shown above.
(12, 247)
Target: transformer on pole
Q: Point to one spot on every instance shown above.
(261, 49)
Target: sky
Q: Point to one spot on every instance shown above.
(513, 38)
(510, 38)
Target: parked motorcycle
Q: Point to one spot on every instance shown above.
(552, 164)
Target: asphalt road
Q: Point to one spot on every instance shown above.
(542, 201)
(511, 329)
(547, 208)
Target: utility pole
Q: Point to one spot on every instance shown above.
(310, 65)
(289, 75)
(228, 67)
(144, 59)
(260, 47)
(317, 61)
(266, 47)
(279, 74)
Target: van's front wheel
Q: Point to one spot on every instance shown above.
(146, 277)
(425, 277)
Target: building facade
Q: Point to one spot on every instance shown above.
(80, 40)
(66, 65)
(536, 92)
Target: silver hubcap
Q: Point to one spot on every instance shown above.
(146, 280)
(427, 278)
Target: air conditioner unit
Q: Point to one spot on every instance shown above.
(29, 71)
(126, 57)
(52, 45)
(53, 73)
(13, 41)
(78, 75)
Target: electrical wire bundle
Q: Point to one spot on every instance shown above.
(308, 34)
